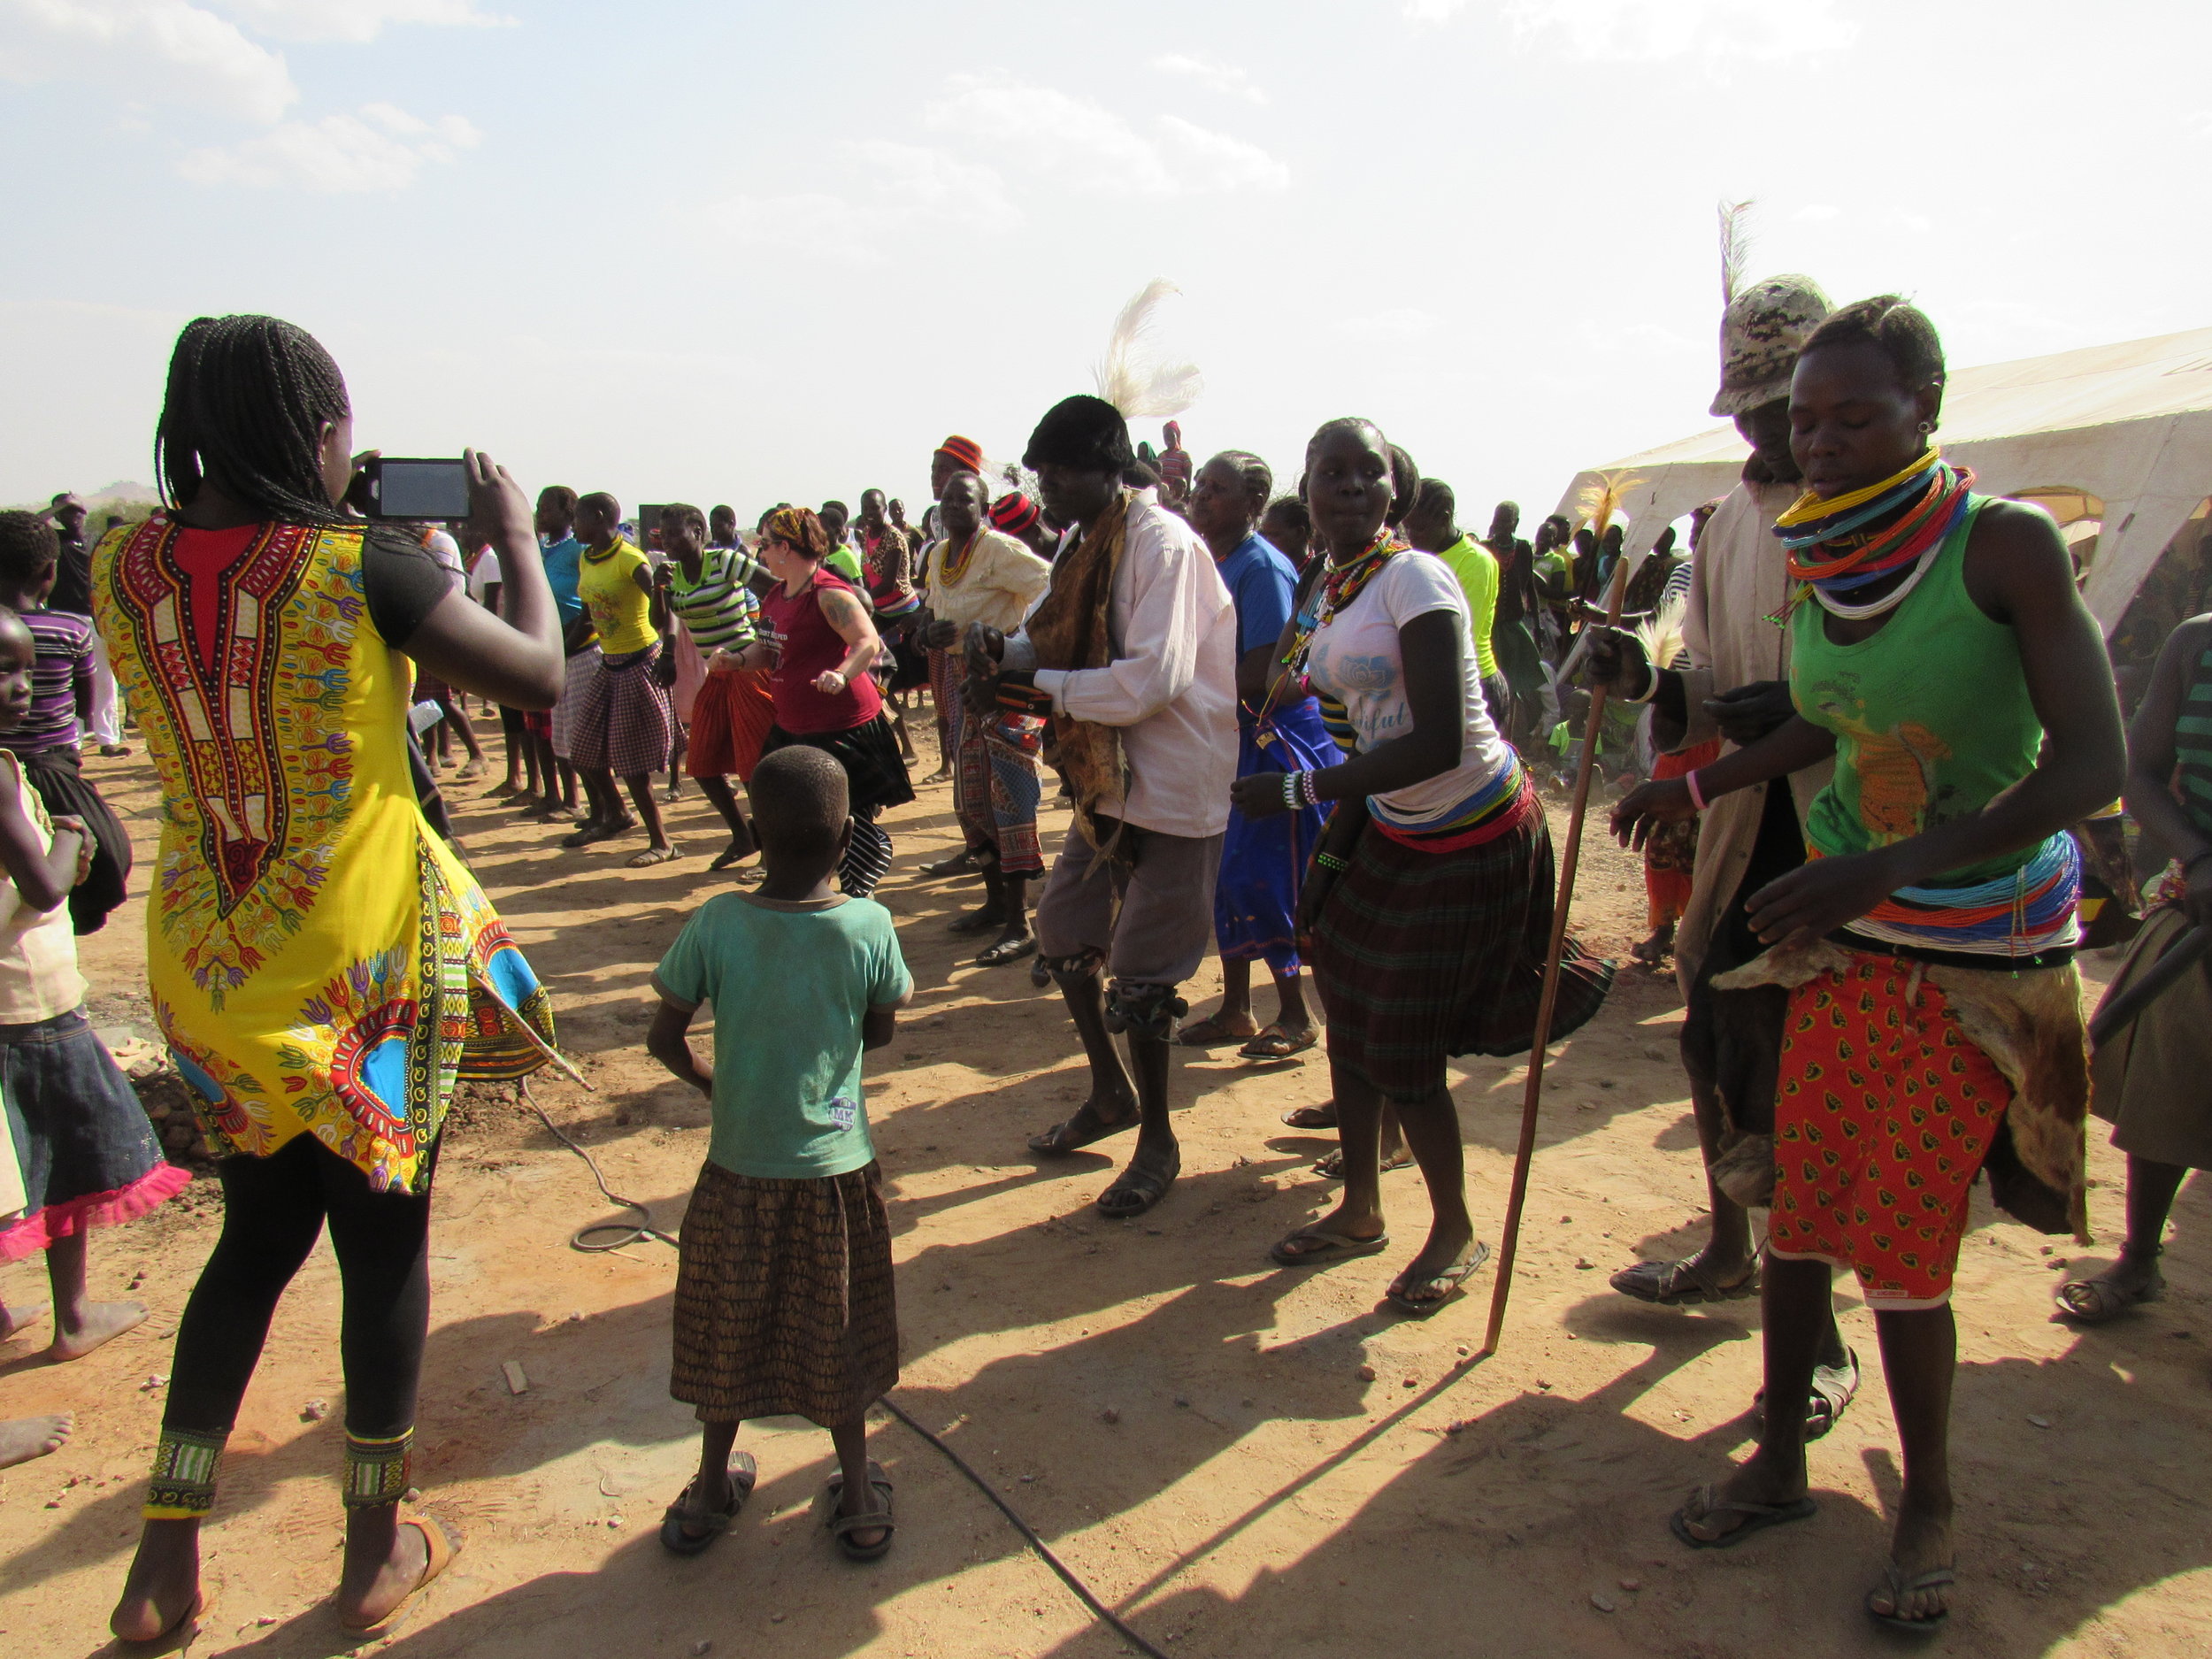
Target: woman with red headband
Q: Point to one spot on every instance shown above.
(823, 642)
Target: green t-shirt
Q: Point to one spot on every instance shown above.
(846, 563)
(789, 986)
(1477, 568)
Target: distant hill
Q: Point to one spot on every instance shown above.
(123, 492)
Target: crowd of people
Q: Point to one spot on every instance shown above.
(1300, 726)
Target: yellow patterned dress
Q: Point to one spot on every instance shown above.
(320, 962)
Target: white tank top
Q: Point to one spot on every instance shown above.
(38, 952)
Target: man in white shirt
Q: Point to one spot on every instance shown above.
(1144, 721)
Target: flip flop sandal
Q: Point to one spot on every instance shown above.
(1757, 1517)
(1335, 1246)
(1898, 1588)
(979, 921)
(1454, 1279)
(181, 1633)
(2099, 1301)
(1834, 1388)
(1687, 1283)
(1007, 950)
(443, 1547)
(1329, 1166)
(1145, 1187)
(1073, 1134)
(841, 1527)
(1277, 1042)
(731, 855)
(1321, 1117)
(591, 833)
(1209, 1033)
(653, 856)
(743, 1473)
(959, 864)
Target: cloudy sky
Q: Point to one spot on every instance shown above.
(740, 252)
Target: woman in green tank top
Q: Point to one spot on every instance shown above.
(1941, 654)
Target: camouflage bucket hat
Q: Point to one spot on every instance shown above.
(1761, 334)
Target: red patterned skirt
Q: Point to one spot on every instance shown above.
(730, 716)
(1885, 1112)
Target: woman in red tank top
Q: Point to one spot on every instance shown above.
(818, 628)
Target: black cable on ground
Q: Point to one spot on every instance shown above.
(627, 1234)
(631, 1235)
(1044, 1551)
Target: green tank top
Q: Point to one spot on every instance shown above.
(2193, 745)
(1931, 715)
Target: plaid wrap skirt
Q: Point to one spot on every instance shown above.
(1419, 956)
(785, 1305)
(623, 721)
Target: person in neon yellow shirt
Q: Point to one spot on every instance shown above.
(622, 717)
(1432, 527)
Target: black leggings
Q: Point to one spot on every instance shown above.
(273, 1210)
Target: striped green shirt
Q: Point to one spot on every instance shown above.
(718, 610)
(2193, 745)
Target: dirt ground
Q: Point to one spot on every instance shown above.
(1242, 1459)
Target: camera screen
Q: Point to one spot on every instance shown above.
(422, 490)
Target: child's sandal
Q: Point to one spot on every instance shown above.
(841, 1527)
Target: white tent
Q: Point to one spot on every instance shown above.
(2128, 426)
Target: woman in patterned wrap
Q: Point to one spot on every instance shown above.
(323, 967)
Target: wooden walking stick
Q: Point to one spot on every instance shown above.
(1533, 1095)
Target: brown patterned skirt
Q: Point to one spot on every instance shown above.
(784, 1301)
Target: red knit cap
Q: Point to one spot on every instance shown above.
(967, 451)
(1013, 512)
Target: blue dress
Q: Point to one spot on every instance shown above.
(1264, 861)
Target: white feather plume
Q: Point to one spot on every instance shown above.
(1127, 376)
(1661, 633)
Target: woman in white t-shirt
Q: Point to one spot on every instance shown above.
(1429, 905)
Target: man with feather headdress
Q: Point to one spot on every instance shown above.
(1736, 689)
(1130, 657)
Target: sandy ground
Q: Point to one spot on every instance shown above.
(1191, 1429)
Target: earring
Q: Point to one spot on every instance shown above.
(1926, 427)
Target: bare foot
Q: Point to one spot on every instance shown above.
(1758, 1479)
(164, 1583)
(20, 1317)
(386, 1560)
(1920, 1544)
(22, 1439)
(102, 1321)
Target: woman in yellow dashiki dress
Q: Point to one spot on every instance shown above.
(322, 966)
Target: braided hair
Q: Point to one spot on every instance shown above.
(245, 406)
(1257, 477)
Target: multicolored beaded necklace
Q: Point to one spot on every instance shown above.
(953, 566)
(1925, 500)
(1343, 584)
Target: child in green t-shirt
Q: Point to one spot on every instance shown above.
(784, 1301)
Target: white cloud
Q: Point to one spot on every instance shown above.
(1085, 146)
(148, 51)
(1716, 30)
(1390, 327)
(352, 20)
(1434, 10)
(1226, 79)
(802, 219)
(381, 149)
(911, 181)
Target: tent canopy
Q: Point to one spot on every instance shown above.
(2129, 424)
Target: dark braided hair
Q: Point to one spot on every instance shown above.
(245, 406)
(1258, 477)
(1405, 477)
(1899, 331)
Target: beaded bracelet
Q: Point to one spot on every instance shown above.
(1330, 861)
(1290, 792)
(1697, 795)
